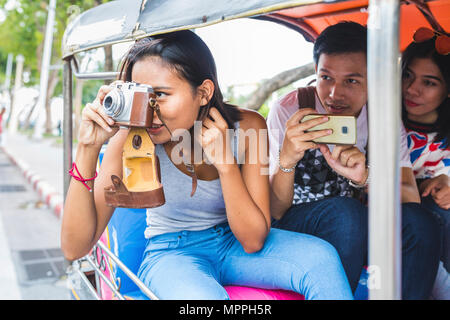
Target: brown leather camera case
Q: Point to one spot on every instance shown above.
(141, 186)
(141, 111)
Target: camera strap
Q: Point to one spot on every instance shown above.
(155, 106)
(190, 168)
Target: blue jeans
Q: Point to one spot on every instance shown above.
(343, 222)
(197, 264)
(420, 251)
(443, 216)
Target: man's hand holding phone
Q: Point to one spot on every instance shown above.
(347, 161)
(302, 129)
(297, 139)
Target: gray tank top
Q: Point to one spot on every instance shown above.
(181, 211)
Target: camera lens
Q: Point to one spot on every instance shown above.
(108, 102)
(114, 103)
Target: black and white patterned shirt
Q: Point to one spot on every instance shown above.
(314, 179)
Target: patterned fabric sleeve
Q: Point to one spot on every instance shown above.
(429, 158)
(405, 160)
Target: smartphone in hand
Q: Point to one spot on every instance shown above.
(344, 129)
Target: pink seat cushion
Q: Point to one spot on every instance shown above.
(248, 293)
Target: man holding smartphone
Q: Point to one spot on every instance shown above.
(313, 185)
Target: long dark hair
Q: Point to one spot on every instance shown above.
(191, 58)
(427, 49)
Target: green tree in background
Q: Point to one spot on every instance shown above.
(22, 32)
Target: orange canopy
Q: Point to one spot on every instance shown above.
(312, 19)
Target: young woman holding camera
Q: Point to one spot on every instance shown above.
(221, 235)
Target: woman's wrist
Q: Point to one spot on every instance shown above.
(86, 158)
(88, 149)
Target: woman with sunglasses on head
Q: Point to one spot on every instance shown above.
(426, 115)
(219, 235)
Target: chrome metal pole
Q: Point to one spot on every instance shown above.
(67, 123)
(109, 75)
(384, 95)
(97, 76)
(75, 277)
(108, 282)
(88, 284)
(128, 272)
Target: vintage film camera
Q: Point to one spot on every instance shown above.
(128, 104)
(133, 105)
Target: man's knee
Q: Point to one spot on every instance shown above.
(349, 216)
(331, 218)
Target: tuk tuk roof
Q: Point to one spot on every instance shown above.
(125, 20)
(413, 15)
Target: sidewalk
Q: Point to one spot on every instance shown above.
(41, 162)
(32, 264)
(9, 288)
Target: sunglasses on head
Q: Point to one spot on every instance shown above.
(442, 42)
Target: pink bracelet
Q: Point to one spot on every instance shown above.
(80, 178)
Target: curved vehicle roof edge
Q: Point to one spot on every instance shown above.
(127, 20)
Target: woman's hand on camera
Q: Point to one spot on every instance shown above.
(96, 126)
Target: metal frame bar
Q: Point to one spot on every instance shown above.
(384, 95)
(88, 284)
(423, 7)
(300, 26)
(128, 272)
(107, 75)
(67, 124)
(104, 278)
(97, 76)
(76, 267)
(98, 256)
(108, 282)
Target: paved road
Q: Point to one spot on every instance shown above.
(32, 265)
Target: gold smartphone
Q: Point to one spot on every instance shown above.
(344, 129)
